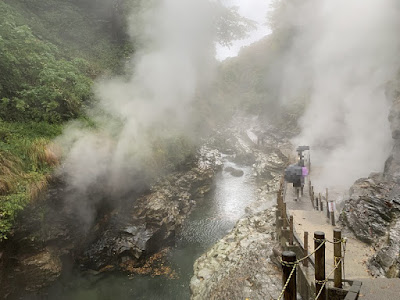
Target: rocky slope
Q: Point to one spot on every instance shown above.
(121, 238)
(239, 265)
(373, 210)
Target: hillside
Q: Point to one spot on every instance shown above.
(50, 53)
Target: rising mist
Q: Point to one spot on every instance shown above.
(174, 61)
(342, 55)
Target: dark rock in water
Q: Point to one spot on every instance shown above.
(234, 172)
(143, 226)
(41, 269)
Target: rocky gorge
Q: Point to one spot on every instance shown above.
(49, 237)
(127, 238)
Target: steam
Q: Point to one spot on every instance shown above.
(343, 53)
(174, 61)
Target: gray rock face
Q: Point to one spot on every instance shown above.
(386, 262)
(373, 210)
(392, 165)
(138, 230)
(239, 265)
(373, 214)
(368, 212)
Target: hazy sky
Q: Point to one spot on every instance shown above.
(255, 10)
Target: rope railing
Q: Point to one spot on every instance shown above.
(323, 282)
(338, 261)
(288, 280)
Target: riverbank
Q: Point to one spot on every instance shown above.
(50, 239)
(240, 265)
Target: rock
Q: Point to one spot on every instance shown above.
(386, 262)
(373, 210)
(368, 212)
(142, 227)
(238, 266)
(40, 269)
(234, 172)
(373, 214)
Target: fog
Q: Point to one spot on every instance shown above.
(255, 10)
(175, 60)
(341, 57)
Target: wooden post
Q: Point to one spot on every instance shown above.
(321, 206)
(284, 215)
(290, 292)
(305, 262)
(317, 203)
(313, 197)
(337, 255)
(319, 238)
(333, 222)
(327, 205)
(291, 230)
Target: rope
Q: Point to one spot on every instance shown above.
(323, 282)
(337, 261)
(344, 254)
(288, 280)
(285, 263)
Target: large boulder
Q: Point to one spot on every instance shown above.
(373, 214)
(239, 265)
(369, 210)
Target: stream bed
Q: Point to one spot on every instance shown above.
(211, 219)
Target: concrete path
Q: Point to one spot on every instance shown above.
(380, 288)
(306, 218)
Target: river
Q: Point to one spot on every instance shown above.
(212, 218)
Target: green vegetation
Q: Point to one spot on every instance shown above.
(50, 52)
(26, 161)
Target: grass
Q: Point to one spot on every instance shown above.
(26, 162)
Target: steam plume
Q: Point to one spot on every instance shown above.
(342, 55)
(175, 59)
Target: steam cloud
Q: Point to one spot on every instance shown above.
(342, 56)
(175, 60)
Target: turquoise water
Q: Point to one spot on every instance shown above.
(212, 218)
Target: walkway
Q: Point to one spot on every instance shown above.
(308, 219)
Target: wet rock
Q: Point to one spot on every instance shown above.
(41, 269)
(238, 266)
(234, 172)
(143, 226)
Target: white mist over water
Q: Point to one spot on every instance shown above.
(175, 60)
(342, 56)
